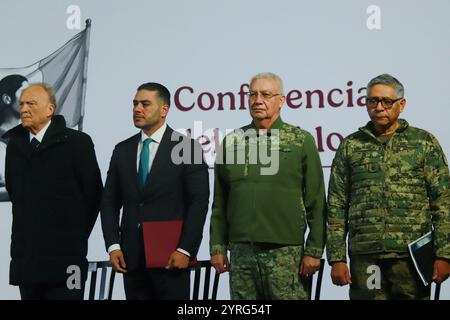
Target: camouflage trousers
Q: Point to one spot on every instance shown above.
(265, 272)
(377, 277)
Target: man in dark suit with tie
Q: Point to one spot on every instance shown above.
(55, 186)
(155, 175)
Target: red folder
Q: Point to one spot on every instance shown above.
(161, 239)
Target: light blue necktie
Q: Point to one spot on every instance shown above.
(143, 163)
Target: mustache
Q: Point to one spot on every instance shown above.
(258, 107)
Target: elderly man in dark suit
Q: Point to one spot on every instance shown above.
(55, 186)
(154, 176)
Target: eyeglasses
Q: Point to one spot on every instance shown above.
(372, 102)
(265, 95)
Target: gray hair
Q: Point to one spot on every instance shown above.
(272, 76)
(47, 88)
(388, 80)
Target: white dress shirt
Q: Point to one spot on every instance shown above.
(156, 138)
(40, 135)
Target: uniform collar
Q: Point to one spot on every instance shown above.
(368, 128)
(276, 125)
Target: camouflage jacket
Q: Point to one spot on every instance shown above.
(385, 195)
(267, 189)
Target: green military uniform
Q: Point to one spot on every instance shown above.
(384, 195)
(264, 211)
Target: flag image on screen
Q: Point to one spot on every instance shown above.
(65, 70)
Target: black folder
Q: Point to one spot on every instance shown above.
(423, 257)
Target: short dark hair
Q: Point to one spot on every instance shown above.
(163, 92)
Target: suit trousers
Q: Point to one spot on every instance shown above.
(156, 284)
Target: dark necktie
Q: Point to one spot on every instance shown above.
(143, 163)
(35, 143)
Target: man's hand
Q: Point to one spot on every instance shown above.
(340, 274)
(309, 265)
(441, 270)
(177, 260)
(220, 263)
(118, 261)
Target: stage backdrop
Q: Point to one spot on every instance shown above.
(206, 51)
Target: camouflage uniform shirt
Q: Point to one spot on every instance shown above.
(386, 195)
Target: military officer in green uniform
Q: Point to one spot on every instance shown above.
(389, 185)
(268, 189)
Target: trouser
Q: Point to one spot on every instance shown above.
(51, 292)
(266, 271)
(376, 278)
(156, 284)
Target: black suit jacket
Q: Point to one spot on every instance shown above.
(55, 192)
(174, 191)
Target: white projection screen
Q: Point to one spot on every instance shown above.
(205, 52)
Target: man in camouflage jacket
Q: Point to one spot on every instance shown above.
(268, 189)
(389, 185)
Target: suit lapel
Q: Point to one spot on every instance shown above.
(131, 161)
(25, 145)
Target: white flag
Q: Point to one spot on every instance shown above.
(64, 70)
